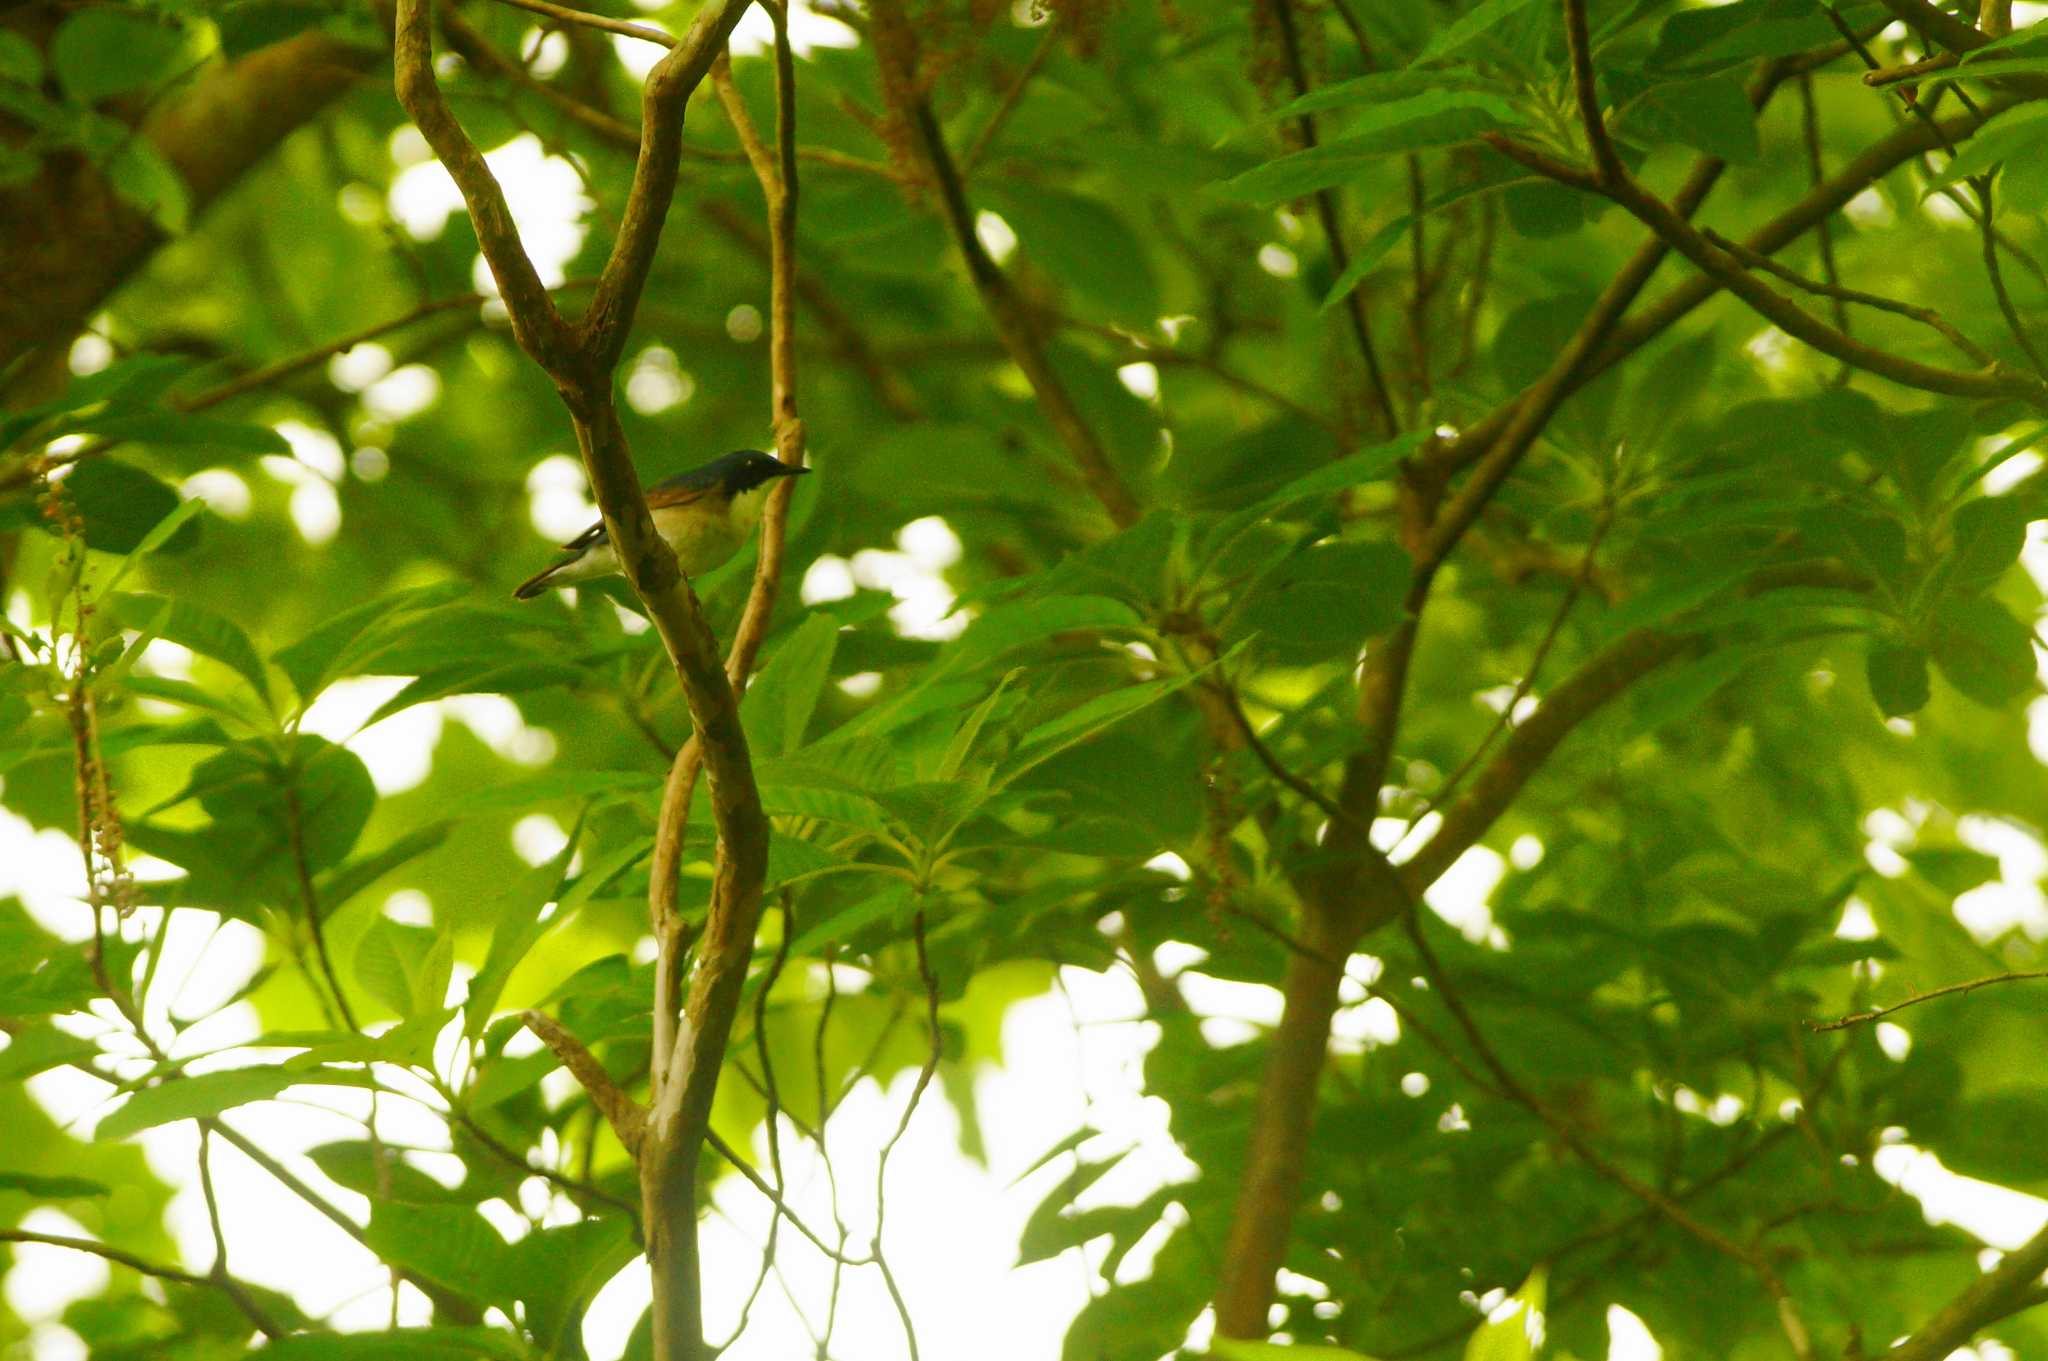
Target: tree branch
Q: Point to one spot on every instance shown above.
(2012, 1285)
(620, 1111)
(1952, 990)
(896, 52)
(1926, 316)
(1573, 1138)
(236, 1292)
(585, 19)
(1333, 235)
(1993, 381)
(64, 250)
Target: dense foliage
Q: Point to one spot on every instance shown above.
(1234, 344)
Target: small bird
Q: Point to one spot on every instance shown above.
(704, 515)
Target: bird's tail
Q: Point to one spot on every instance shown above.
(538, 582)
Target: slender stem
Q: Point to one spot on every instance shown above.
(585, 19)
(1333, 235)
(1952, 990)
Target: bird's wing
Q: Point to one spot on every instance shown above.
(677, 491)
(681, 490)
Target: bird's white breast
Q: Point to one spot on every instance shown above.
(704, 539)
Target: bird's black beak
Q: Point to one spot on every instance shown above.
(791, 470)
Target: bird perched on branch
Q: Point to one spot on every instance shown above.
(704, 515)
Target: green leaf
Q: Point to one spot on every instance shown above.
(139, 172)
(1496, 172)
(405, 967)
(1326, 600)
(208, 1094)
(1082, 244)
(54, 1188)
(19, 60)
(1091, 719)
(194, 626)
(109, 49)
(1468, 28)
(1420, 123)
(258, 23)
(1377, 87)
(491, 677)
(1986, 537)
(1711, 114)
(2013, 135)
(346, 881)
(1509, 1334)
(517, 927)
(1898, 678)
(556, 1271)
(118, 502)
(549, 785)
(453, 1247)
(166, 533)
(1676, 692)
(1955, 870)
(337, 646)
(1367, 465)
(401, 1344)
(353, 1163)
(781, 699)
(35, 1049)
(176, 430)
(1237, 1349)
(1984, 651)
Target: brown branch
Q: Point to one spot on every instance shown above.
(2014, 1284)
(1938, 24)
(1859, 173)
(1816, 171)
(1013, 96)
(580, 359)
(1551, 633)
(778, 179)
(1993, 381)
(1894, 75)
(68, 241)
(1333, 235)
(620, 1111)
(1577, 698)
(234, 1290)
(1585, 92)
(578, 1191)
(1926, 316)
(1575, 1139)
(536, 324)
(1988, 234)
(1952, 990)
(219, 1275)
(585, 19)
(458, 1308)
(933, 1050)
(896, 53)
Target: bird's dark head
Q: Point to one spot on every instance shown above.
(742, 470)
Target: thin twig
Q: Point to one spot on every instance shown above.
(585, 19)
(163, 1272)
(1505, 719)
(1926, 316)
(1011, 98)
(1573, 1138)
(1988, 234)
(621, 1112)
(924, 1079)
(1333, 235)
(1952, 990)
